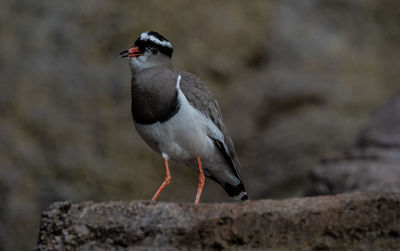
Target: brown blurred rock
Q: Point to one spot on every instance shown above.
(373, 164)
(351, 221)
(383, 129)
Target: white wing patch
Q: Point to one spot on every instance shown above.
(178, 81)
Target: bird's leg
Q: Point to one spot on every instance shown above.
(166, 180)
(200, 182)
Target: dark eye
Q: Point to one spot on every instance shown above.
(154, 50)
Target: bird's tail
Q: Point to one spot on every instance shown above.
(237, 192)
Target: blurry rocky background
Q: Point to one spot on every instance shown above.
(296, 81)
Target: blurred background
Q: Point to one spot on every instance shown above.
(296, 81)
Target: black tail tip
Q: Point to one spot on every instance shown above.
(236, 192)
(241, 196)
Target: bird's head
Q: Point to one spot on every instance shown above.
(150, 49)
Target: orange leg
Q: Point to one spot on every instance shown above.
(200, 182)
(166, 181)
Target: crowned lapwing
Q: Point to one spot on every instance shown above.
(178, 117)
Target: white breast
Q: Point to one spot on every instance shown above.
(185, 136)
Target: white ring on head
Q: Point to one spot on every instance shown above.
(147, 36)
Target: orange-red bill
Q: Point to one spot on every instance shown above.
(132, 53)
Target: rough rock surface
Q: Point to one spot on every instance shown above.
(348, 221)
(373, 164)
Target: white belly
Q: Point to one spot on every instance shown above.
(184, 136)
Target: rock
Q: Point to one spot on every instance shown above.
(383, 129)
(372, 164)
(348, 221)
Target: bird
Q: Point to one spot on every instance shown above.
(178, 117)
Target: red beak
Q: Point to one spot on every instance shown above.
(132, 53)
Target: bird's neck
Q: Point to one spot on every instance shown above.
(146, 62)
(154, 94)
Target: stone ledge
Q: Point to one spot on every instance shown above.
(351, 221)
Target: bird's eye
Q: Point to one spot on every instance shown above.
(154, 50)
